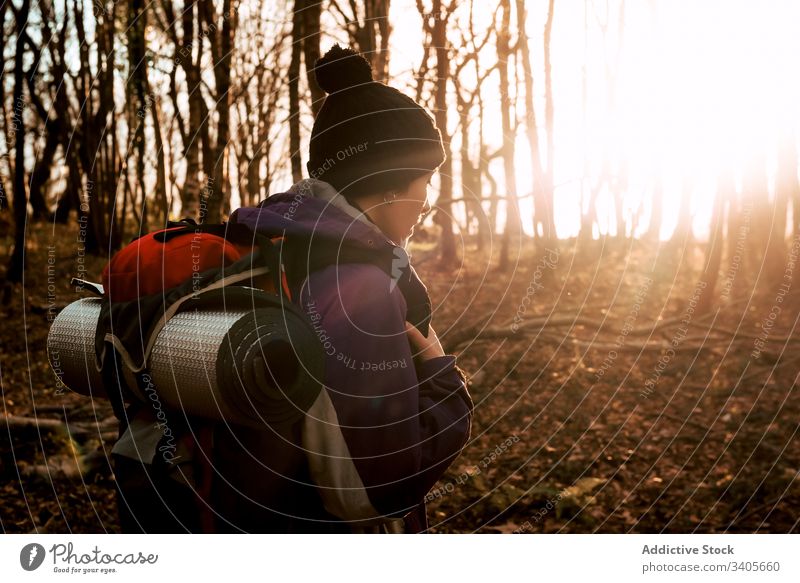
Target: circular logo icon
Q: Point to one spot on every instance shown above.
(31, 556)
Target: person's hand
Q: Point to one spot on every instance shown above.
(421, 347)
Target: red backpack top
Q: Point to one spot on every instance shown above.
(164, 259)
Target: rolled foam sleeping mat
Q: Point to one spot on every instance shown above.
(250, 367)
(70, 347)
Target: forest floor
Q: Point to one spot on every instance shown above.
(604, 402)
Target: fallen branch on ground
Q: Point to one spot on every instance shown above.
(81, 429)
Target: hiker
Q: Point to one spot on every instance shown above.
(399, 409)
(394, 411)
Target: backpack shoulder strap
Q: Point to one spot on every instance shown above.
(300, 261)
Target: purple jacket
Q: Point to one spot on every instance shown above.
(384, 430)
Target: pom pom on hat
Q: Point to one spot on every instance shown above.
(341, 69)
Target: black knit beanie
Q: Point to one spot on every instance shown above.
(368, 137)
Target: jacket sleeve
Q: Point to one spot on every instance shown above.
(400, 428)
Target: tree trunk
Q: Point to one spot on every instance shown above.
(190, 195)
(137, 78)
(619, 186)
(16, 265)
(364, 30)
(221, 53)
(540, 213)
(656, 211)
(513, 227)
(99, 154)
(71, 197)
(161, 201)
(682, 235)
(380, 64)
(311, 18)
(548, 222)
(470, 177)
(3, 7)
(716, 241)
(294, 91)
(756, 197)
(443, 216)
(738, 226)
(41, 175)
(53, 128)
(787, 190)
(485, 226)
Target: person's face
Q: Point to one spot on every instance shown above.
(407, 209)
(397, 212)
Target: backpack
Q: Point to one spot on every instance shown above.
(211, 267)
(185, 266)
(150, 281)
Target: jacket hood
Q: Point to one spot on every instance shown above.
(313, 210)
(322, 228)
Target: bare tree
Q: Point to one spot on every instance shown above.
(513, 228)
(368, 27)
(3, 11)
(755, 198)
(682, 235)
(138, 106)
(541, 213)
(70, 198)
(656, 207)
(16, 265)
(195, 133)
(545, 216)
(444, 215)
(257, 97)
(311, 34)
(737, 226)
(715, 244)
(466, 100)
(220, 30)
(295, 155)
(50, 134)
(101, 161)
(787, 191)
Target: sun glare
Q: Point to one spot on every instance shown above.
(675, 91)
